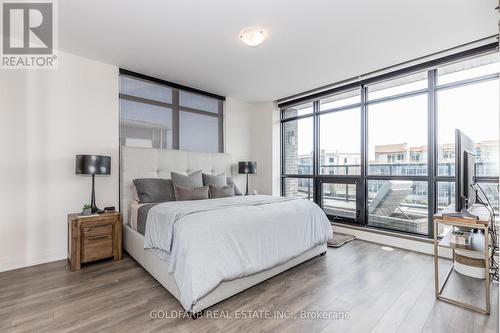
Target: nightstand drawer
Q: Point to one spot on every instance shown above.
(97, 247)
(100, 230)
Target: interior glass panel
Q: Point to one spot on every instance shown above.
(340, 100)
(340, 142)
(397, 132)
(491, 192)
(469, 69)
(298, 110)
(398, 205)
(299, 188)
(339, 200)
(198, 102)
(404, 84)
(145, 89)
(145, 125)
(445, 198)
(298, 146)
(198, 132)
(454, 109)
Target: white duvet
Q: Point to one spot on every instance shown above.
(217, 240)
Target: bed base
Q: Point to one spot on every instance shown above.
(133, 243)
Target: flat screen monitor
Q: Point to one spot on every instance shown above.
(465, 161)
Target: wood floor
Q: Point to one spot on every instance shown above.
(383, 291)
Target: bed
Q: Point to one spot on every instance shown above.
(206, 251)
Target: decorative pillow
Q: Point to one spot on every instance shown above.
(230, 181)
(217, 180)
(150, 190)
(221, 191)
(191, 193)
(194, 179)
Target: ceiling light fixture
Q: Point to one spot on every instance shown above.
(253, 36)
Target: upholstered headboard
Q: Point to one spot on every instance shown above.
(158, 163)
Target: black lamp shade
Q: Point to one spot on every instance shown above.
(247, 167)
(92, 165)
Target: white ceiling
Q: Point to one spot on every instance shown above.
(311, 42)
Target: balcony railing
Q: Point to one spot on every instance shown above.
(445, 195)
(483, 169)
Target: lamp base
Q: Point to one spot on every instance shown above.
(96, 210)
(93, 206)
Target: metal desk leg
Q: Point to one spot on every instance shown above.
(436, 269)
(487, 268)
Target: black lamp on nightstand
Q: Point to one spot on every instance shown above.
(93, 165)
(247, 168)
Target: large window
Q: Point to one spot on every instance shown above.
(397, 137)
(382, 154)
(156, 115)
(397, 113)
(340, 135)
(297, 146)
(466, 94)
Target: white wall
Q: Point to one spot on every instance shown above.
(237, 135)
(252, 133)
(46, 118)
(265, 132)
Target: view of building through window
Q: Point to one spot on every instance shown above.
(467, 95)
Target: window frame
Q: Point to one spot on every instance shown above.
(432, 179)
(175, 105)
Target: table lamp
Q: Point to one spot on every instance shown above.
(247, 168)
(93, 165)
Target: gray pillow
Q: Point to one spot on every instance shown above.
(192, 180)
(217, 180)
(221, 191)
(191, 193)
(151, 190)
(230, 181)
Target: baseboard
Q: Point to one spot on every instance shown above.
(411, 243)
(31, 259)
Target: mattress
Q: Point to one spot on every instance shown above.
(137, 217)
(139, 214)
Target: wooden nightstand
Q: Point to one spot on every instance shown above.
(94, 237)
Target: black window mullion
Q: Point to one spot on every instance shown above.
(316, 151)
(316, 136)
(363, 194)
(432, 150)
(282, 156)
(221, 125)
(175, 119)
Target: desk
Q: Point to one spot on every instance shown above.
(480, 244)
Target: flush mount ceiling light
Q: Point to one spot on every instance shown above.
(253, 36)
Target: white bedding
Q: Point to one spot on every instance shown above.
(217, 240)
